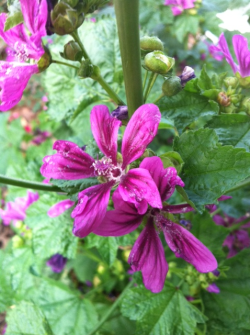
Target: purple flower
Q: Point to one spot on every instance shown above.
(213, 288)
(57, 263)
(178, 6)
(242, 54)
(16, 72)
(40, 137)
(135, 186)
(15, 211)
(187, 74)
(213, 207)
(120, 113)
(60, 208)
(147, 254)
(237, 239)
(215, 51)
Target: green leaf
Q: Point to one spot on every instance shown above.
(210, 169)
(51, 235)
(66, 310)
(13, 20)
(185, 24)
(167, 312)
(212, 235)
(27, 318)
(239, 204)
(228, 312)
(232, 129)
(106, 246)
(74, 186)
(84, 268)
(166, 124)
(185, 108)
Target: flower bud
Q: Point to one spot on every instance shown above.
(157, 62)
(151, 43)
(72, 51)
(45, 61)
(235, 98)
(231, 82)
(243, 81)
(245, 105)
(65, 19)
(187, 74)
(17, 242)
(86, 69)
(230, 109)
(120, 113)
(171, 86)
(223, 99)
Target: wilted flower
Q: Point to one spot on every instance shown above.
(16, 210)
(135, 186)
(16, 71)
(147, 254)
(57, 263)
(178, 6)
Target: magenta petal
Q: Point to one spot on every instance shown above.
(177, 209)
(147, 256)
(13, 79)
(70, 162)
(31, 197)
(60, 208)
(35, 14)
(139, 132)
(165, 179)
(242, 54)
(137, 185)
(188, 247)
(224, 197)
(224, 48)
(91, 209)
(105, 130)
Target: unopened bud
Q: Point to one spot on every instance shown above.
(171, 86)
(223, 99)
(244, 82)
(151, 43)
(17, 242)
(65, 19)
(86, 69)
(245, 105)
(120, 113)
(45, 61)
(230, 109)
(187, 74)
(72, 51)
(157, 62)
(235, 98)
(231, 82)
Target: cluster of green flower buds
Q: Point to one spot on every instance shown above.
(65, 19)
(72, 51)
(22, 235)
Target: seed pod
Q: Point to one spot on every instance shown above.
(151, 43)
(171, 86)
(157, 62)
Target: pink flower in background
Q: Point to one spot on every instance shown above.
(40, 137)
(60, 208)
(215, 51)
(241, 51)
(213, 288)
(16, 210)
(57, 263)
(16, 71)
(135, 186)
(178, 6)
(147, 254)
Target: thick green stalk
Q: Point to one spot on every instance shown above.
(111, 309)
(127, 16)
(29, 184)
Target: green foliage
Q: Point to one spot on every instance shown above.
(167, 312)
(232, 130)
(27, 318)
(228, 312)
(51, 235)
(185, 108)
(183, 25)
(210, 169)
(107, 247)
(74, 186)
(13, 20)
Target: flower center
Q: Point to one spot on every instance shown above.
(21, 52)
(105, 168)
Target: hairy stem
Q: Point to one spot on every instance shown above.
(29, 184)
(64, 63)
(111, 309)
(151, 82)
(127, 16)
(76, 37)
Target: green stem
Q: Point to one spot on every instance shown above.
(76, 37)
(151, 82)
(145, 80)
(111, 309)
(29, 184)
(109, 90)
(159, 98)
(63, 63)
(245, 183)
(127, 16)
